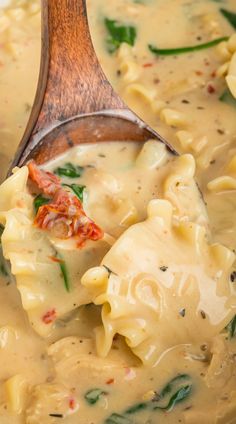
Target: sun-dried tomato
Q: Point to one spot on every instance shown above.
(46, 181)
(64, 215)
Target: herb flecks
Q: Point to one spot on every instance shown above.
(56, 415)
(187, 49)
(69, 170)
(233, 276)
(177, 397)
(182, 312)
(231, 327)
(119, 33)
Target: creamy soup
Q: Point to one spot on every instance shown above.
(118, 281)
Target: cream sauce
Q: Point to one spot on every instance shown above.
(45, 380)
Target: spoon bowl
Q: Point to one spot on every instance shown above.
(74, 102)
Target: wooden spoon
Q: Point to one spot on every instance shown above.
(74, 101)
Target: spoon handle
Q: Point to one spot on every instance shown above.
(71, 80)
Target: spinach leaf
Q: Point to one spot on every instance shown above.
(40, 201)
(119, 34)
(177, 397)
(169, 386)
(64, 272)
(118, 419)
(187, 49)
(228, 98)
(136, 408)
(65, 275)
(93, 396)
(230, 16)
(77, 189)
(3, 269)
(179, 388)
(231, 327)
(69, 170)
(2, 228)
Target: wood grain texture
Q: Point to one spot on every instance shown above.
(76, 83)
(72, 87)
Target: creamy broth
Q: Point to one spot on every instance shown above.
(131, 328)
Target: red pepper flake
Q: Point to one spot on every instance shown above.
(198, 72)
(49, 317)
(55, 259)
(110, 381)
(206, 62)
(211, 89)
(72, 403)
(213, 74)
(147, 65)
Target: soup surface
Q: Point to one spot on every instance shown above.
(117, 284)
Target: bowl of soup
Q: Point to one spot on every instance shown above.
(117, 270)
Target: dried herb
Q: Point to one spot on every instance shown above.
(56, 415)
(228, 98)
(93, 396)
(136, 408)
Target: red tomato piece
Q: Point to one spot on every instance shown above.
(46, 181)
(64, 215)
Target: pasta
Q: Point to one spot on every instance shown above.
(39, 277)
(16, 392)
(138, 295)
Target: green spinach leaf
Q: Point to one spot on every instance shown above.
(118, 34)
(77, 189)
(231, 327)
(230, 16)
(40, 200)
(118, 419)
(177, 397)
(187, 49)
(170, 385)
(228, 98)
(69, 170)
(93, 396)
